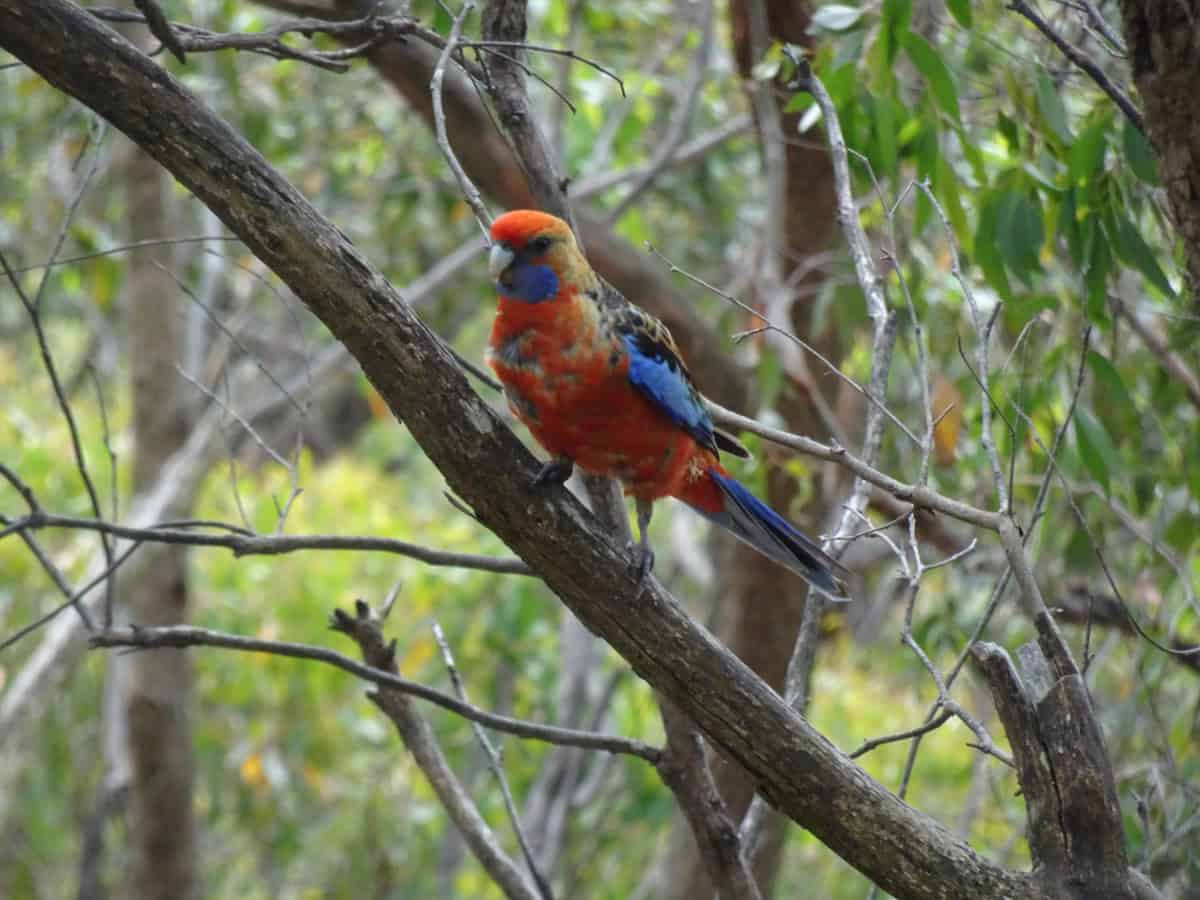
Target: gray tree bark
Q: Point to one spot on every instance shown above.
(1163, 40)
(154, 688)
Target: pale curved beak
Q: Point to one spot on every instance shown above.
(499, 259)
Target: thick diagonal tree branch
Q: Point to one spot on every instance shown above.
(904, 851)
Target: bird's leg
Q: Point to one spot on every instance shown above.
(645, 509)
(554, 471)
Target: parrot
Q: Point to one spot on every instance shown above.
(601, 385)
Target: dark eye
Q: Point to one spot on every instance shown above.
(540, 244)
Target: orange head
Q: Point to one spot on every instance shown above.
(534, 257)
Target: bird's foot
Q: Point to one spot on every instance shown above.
(554, 471)
(643, 561)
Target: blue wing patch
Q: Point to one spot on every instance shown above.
(656, 371)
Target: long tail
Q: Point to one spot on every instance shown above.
(721, 499)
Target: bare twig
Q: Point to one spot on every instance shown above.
(34, 312)
(497, 767)
(768, 325)
(983, 331)
(243, 544)
(933, 724)
(187, 636)
(74, 599)
(1156, 344)
(238, 417)
(380, 656)
(566, 53)
(125, 248)
(803, 656)
(911, 493)
(695, 149)
(466, 186)
(372, 31)
(1081, 59)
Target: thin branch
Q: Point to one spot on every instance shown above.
(875, 401)
(237, 417)
(94, 142)
(933, 724)
(922, 362)
(497, 767)
(187, 636)
(911, 493)
(553, 51)
(372, 30)
(364, 629)
(74, 600)
(884, 322)
(229, 334)
(1081, 59)
(125, 248)
(465, 184)
(64, 406)
(984, 332)
(243, 544)
(1157, 345)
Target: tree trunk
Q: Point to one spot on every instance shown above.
(154, 688)
(1163, 42)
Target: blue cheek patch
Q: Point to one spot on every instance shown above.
(530, 283)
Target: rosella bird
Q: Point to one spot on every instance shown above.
(600, 384)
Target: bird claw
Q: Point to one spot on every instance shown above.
(553, 471)
(643, 561)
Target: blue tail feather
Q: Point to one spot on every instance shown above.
(755, 523)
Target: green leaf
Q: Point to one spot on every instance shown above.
(1096, 448)
(1109, 382)
(1070, 227)
(1133, 250)
(836, 17)
(896, 16)
(1139, 155)
(933, 69)
(883, 128)
(1009, 131)
(1020, 232)
(986, 251)
(1086, 156)
(798, 102)
(1051, 106)
(961, 10)
(1096, 276)
(946, 187)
